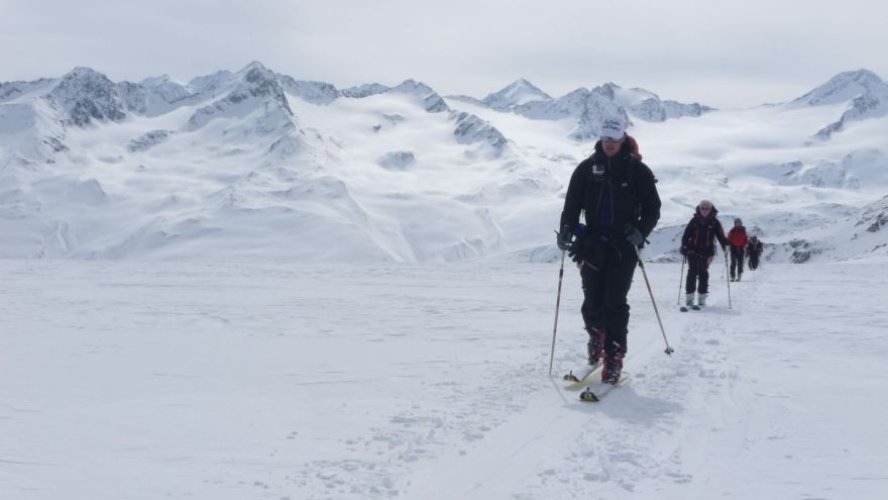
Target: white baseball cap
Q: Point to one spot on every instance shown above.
(613, 128)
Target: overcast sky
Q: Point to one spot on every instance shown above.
(721, 53)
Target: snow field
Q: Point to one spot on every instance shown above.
(218, 380)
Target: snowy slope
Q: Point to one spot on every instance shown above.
(271, 381)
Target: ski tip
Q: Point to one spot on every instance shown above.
(589, 397)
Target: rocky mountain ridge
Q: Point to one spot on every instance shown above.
(232, 152)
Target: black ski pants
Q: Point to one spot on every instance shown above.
(698, 271)
(605, 289)
(736, 261)
(753, 260)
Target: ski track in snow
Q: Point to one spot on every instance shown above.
(149, 380)
(616, 447)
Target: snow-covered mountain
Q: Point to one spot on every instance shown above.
(862, 94)
(257, 163)
(252, 89)
(426, 97)
(586, 107)
(842, 88)
(648, 106)
(85, 95)
(517, 93)
(365, 90)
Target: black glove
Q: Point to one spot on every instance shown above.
(577, 252)
(564, 240)
(634, 236)
(683, 250)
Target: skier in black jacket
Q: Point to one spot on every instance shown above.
(755, 251)
(619, 196)
(698, 245)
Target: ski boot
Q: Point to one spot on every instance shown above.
(613, 367)
(594, 349)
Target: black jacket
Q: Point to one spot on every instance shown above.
(700, 234)
(616, 193)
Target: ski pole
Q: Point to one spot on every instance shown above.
(728, 281)
(680, 279)
(557, 306)
(669, 350)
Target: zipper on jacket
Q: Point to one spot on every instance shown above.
(608, 185)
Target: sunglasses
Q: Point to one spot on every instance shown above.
(705, 209)
(611, 140)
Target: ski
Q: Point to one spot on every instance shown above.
(596, 392)
(685, 309)
(583, 377)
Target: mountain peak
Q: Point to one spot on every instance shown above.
(413, 86)
(609, 89)
(259, 81)
(253, 65)
(162, 80)
(256, 73)
(844, 87)
(523, 84)
(862, 75)
(516, 93)
(865, 92)
(82, 72)
(431, 101)
(252, 87)
(85, 95)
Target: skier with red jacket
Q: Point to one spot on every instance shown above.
(738, 239)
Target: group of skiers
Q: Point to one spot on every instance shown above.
(698, 249)
(617, 196)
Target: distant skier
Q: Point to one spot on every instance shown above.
(698, 245)
(739, 240)
(619, 196)
(754, 249)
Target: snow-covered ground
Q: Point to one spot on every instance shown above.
(249, 286)
(138, 380)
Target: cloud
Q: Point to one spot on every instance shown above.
(461, 46)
